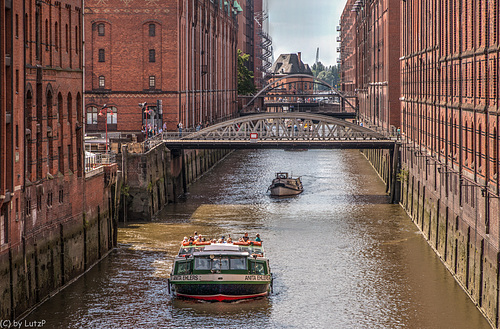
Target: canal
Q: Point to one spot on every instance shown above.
(342, 257)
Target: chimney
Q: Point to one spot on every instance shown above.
(299, 54)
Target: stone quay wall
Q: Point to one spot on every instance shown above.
(459, 223)
(158, 177)
(52, 257)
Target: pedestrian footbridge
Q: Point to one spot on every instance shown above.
(281, 131)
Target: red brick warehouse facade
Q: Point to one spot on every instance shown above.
(289, 88)
(182, 53)
(450, 111)
(369, 56)
(48, 230)
(254, 40)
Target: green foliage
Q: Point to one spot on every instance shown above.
(245, 76)
(125, 190)
(402, 176)
(329, 74)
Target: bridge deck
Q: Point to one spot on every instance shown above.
(281, 144)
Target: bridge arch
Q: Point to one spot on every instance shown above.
(282, 126)
(316, 80)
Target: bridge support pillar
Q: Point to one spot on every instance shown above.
(395, 167)
(184, 173)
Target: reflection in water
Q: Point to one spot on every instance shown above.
(340, 255)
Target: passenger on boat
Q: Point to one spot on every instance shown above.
(246, 237)
(195, 235)
(257, 238)
(185, 239)
(200, 237)
(229, 240)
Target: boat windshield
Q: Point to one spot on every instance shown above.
(183, 268)
(257, 268)
(220, 263)
(186, 251)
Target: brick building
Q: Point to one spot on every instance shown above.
(285, 65)
(450, 96)
(42, 179)
(370, 46)
(347, 49)
(182, 53)
(254, 39)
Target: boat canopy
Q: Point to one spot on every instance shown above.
(282, 175)
(221, 247)
(221, 253)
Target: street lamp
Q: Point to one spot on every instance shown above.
(104, 111)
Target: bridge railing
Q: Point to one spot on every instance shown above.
(280, 133)
(95, 160)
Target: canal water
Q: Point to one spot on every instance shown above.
(341, 256)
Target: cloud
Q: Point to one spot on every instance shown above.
(303, 26)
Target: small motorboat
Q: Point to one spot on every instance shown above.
(284, 185)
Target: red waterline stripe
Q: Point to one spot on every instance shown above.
(221, 298)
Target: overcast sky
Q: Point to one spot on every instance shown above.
(298, 25)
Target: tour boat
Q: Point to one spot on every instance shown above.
(285, 185)
(221, 271)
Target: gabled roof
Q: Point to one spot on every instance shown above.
(290, 64)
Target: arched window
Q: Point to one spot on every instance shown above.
(70, 110)
(76, 39)
(50, 131)
(495, 150)
(56, 37)
(112, 117)
(152, 30)
(479, 146)
(101, 56)
(79, 135)
(466, 140)
(100, 29)
(67, 38)
(70, 120)
(29, 144)
(473, 146)
(46, 34)
(91, 116)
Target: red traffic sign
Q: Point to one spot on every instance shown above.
(254, 135)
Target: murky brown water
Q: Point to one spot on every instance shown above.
(341, 256)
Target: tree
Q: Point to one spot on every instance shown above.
(245, 76)
(328, 74)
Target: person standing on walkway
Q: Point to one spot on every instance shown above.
(179, 125)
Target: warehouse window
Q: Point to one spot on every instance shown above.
(100, 29)
(101, 82)
(102, 57)
(152, 30)
(152, 56)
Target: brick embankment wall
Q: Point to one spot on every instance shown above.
(158, 177)
(453, 219)
(53, 255)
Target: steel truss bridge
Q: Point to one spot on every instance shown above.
(276, 95)
(291, 130)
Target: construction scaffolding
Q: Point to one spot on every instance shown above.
(265, 50)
